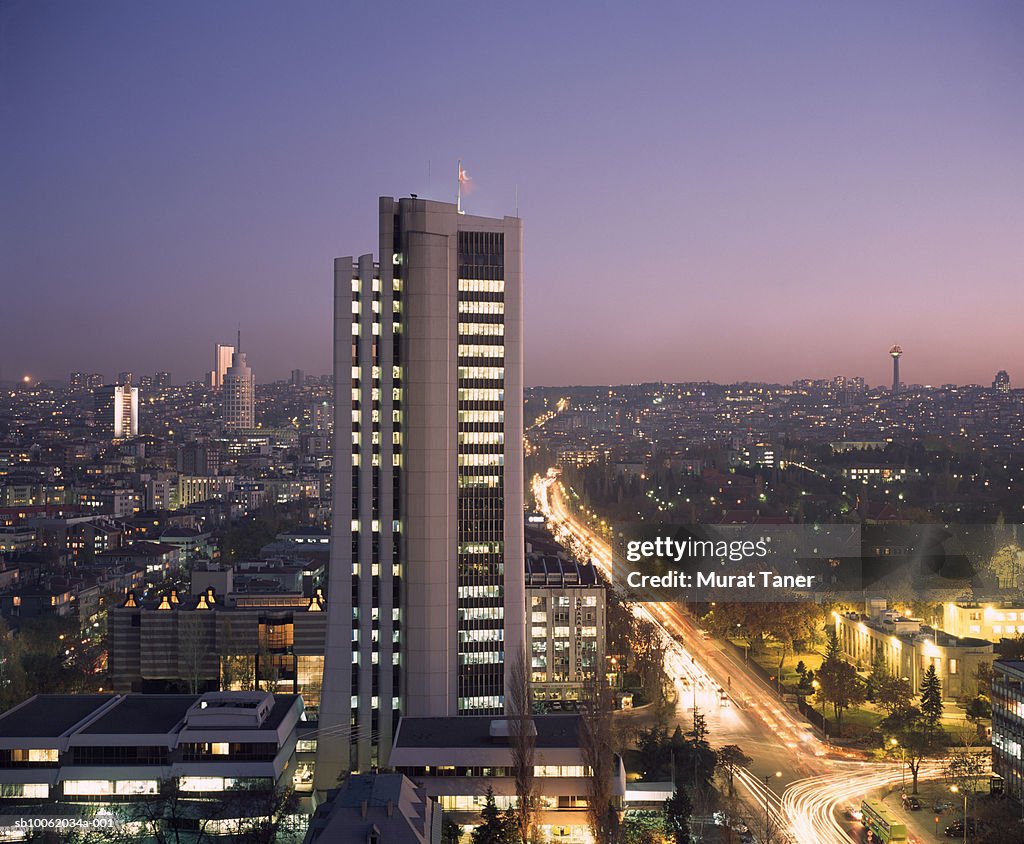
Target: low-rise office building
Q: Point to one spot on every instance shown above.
(1008, 725)
(908, 647)
(566, 603)
(198, 642)
(455, 761)
(214, 755)
(991, 620)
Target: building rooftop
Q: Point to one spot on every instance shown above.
(558, 572)
(553, 731)
(49, 715)
(156, 714)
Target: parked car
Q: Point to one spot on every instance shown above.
(912, 803)
(942, 805)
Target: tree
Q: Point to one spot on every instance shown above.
(451, 832)
(523, 736)
(1012, 649)
(496, 827)
(893, 694)
(979, 710)
(984, 677)
(840, 686)
(832, 650)
(195, 647)
(597, 748)
(639, 827)
(677, 817)
(931, 698)
(918, 740)
(730, 759)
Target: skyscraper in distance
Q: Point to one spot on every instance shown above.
(221, 361)
(117, 410)
(239, 398)
(1001, 383)
(426, 590)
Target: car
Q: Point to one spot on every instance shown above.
(956, 829)
(912, 803)
(942, 805)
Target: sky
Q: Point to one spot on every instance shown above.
(709, 191)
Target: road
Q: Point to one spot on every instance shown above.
(809, 783)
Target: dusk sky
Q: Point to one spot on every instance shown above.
(721, 191)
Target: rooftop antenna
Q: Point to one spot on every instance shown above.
(517, 201)
(238, 342)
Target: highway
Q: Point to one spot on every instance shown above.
(810, 783)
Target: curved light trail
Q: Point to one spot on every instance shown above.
(806, 811)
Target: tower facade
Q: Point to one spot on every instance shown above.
(426, 590)
(896, 352)
(117, 410)
(239, 398)
(221, 361)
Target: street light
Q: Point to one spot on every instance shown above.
(955, 789)
(767, 789)
(903, 763)
(817, 691)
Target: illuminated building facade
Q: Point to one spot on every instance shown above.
(221, 361)
(984, 620)
(1008, 724)
(426, 576)
(117, 410)
(908, 648)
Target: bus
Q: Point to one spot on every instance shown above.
(881, 824)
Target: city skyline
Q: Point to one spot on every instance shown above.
(813, 187)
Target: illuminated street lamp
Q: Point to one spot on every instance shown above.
(817, 691)
(955, 789)
(903, 762)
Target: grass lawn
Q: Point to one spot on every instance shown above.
(858, 722)
(769, 661)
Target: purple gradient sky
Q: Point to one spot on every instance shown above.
(710, 191)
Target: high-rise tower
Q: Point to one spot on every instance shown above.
(239, 392)
(896, 351)
(221, 361)
(117, 410)
(426, 589)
